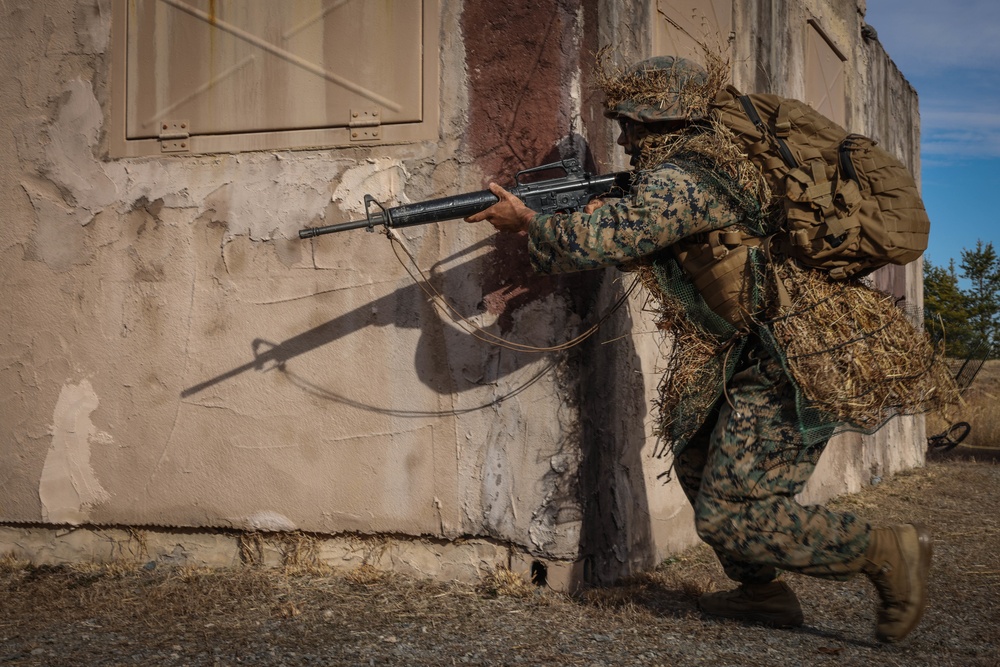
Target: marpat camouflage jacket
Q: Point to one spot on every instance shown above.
(665, 205)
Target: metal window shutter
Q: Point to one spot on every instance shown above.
(710, 21)
(825, 76)
(244, 66)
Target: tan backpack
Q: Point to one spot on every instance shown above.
(851, 206)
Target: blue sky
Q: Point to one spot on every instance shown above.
(950, 52)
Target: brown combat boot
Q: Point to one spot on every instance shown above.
(773, 603)
(897, 561)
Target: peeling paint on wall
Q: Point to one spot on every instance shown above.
(69, 487)
(382, 178)
(263, 195)
(69, 156)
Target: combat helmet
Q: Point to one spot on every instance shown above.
(661, 88)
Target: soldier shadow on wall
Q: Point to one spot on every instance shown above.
(611, 432)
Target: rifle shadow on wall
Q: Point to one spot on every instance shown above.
(609, 487)
(447, 359)
(508, 283)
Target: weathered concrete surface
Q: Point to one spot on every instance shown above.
(174, 356)
(460, 561)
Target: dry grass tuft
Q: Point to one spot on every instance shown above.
(855, 354)
(504, 582)
(719, 144)
(691, 360)
(11, 562)
(365, 575)
(978, 409)
(662, 88)
(984, 418)
(693, 573)
(300, 553)
(251, 547)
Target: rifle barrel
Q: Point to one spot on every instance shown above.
(419, 213)
(310, 232)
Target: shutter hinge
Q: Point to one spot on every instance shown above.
(174, 136)
(366, 124)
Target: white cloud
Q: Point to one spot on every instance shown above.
(950, 51)
(940, 119)
(948, 130)
(944, 150)
(934, 36)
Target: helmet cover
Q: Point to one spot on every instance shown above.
(662, 88)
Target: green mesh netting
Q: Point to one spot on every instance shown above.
(700, 378)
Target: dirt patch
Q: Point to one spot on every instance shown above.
(966, 452)
(126, 614)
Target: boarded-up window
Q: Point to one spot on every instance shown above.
(826, 90)
(229, 75)
(707, 21)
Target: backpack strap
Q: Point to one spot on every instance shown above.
(751, 111)
(846, 164)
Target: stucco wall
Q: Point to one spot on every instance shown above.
(175, 357)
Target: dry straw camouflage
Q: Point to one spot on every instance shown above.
(662, 88)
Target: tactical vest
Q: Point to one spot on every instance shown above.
(849, 207)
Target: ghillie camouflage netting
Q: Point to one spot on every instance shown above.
(706, 136)
(854, 355)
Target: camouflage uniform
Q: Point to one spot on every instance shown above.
(742, 473)
(742, 452)
(665, 206)
(742, 470)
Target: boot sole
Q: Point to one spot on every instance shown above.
(759, 618)
(773, 622)
(926, 551)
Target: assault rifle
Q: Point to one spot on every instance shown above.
(570, 192)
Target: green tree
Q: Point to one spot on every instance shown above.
(981, 267)
(946, 309)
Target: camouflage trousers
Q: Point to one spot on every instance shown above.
(741, 473)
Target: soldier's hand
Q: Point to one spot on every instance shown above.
(593, 205)
(507, 215)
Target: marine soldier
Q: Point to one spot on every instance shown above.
(745, 459)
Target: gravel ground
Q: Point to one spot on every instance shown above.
(124, 614)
